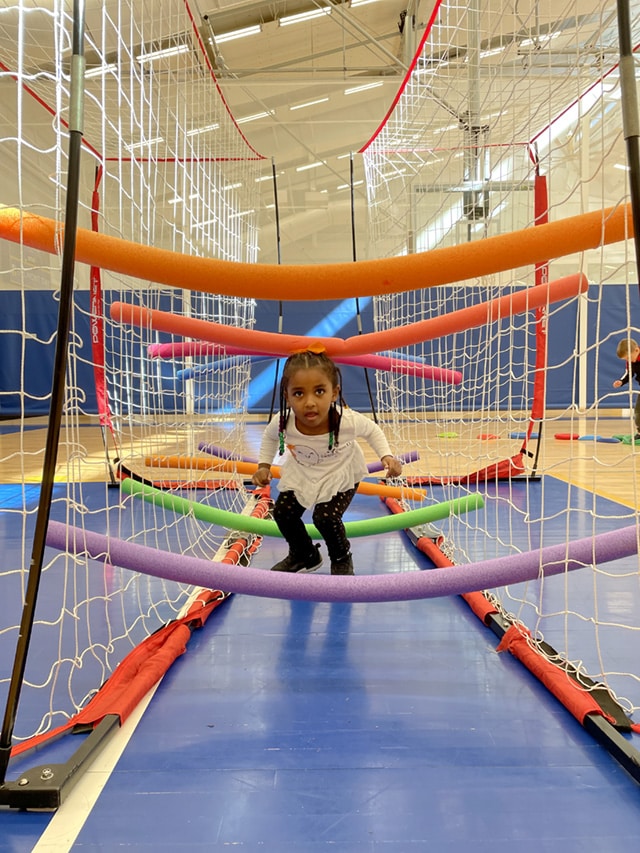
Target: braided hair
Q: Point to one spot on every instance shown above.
(303, 361)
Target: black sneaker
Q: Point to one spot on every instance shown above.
(293, 564)
(343, 567)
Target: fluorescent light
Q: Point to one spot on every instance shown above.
(195, 130)
(232, 186)
(241, 213)
(178, 200)
(133, 145)
(362, 88)
(432, 69)
(494, 51)
(163, 53)
(309, 166)
(621, 166)
(100, 69)
(355, 3)
(238, 34)
(541, 39)
(253, 117)
(304, 16)
(309, 104)
(346, 186)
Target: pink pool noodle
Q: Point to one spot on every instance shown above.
(391, 586)
(374, 362)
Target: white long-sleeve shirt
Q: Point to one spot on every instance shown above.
(313, 472)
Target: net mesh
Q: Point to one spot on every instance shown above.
(499, 96)
(510, 114)
(163, 164)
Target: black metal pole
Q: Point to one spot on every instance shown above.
(630, 121)
(57, 388)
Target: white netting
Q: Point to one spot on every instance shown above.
(500, 93)
(502, 96)
(169, 168)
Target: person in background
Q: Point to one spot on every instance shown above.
(629, 351)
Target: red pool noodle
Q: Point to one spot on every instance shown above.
(296, 282)
(390, 586)
(390, 339)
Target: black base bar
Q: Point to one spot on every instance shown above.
(46, 786)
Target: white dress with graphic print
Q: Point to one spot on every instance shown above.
(312, 471)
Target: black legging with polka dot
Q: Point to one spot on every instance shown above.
(327, 517)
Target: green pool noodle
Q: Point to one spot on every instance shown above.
(266, 527)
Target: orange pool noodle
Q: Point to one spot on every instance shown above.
(390, 339)
(213, 462)
(326, 281)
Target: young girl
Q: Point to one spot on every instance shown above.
(324, 464)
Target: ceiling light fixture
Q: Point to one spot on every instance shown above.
(304, 16)
(163, 53)
(309, 166)
(253, 117)
(243, 32)
(541, 39)
(99, 70)
(494, 51)
(309, 104)
(362, 88)
(196, 130)
(134, 145)
(346, 186)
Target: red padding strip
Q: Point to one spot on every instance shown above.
(575, 699)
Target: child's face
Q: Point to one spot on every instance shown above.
(310, 395)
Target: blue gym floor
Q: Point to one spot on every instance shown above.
(294, 727)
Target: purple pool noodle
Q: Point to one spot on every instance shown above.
(391, 586)
(411, 456)
(223, 453)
